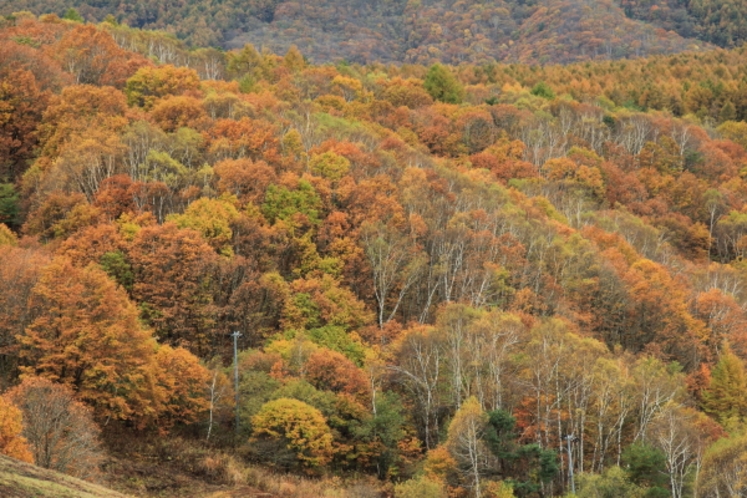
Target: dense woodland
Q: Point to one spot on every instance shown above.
(723, 22)
(446, 278)
(414, 31)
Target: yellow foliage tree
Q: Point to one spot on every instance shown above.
(298, 427)
(12, 443)
(7, 238)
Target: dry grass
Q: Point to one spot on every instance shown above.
(178, 467)
(23, 480)
(292, 486)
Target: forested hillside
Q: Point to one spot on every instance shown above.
(415, 31)
(453, 281)
(723, 22)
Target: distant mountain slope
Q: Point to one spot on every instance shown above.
(722, 22)
(409, 31)
(23, 480)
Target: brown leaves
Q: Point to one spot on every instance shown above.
(60, 430)
(22, 102)
(172, 267)
(331, 371)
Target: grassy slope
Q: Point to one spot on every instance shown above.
(22, 480)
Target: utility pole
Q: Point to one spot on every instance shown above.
(236, 336)
(569, 438)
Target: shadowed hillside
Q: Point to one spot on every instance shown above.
(415, 31)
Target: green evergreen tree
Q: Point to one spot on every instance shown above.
(647, 467)
(525, 466)
(10, 210)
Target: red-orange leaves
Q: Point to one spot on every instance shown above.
(21, 106)
(174, 112)
(244, 178)
(172, 267)
(87, 335)
(331, 371)
(256, 139)
(93, 57)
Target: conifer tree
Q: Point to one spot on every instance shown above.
(726, 396)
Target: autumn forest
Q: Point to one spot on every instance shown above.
(478, 280)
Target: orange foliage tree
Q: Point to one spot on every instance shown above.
(12, 443)
(87, 335)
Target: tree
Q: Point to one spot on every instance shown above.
(60, 430)
(181, 375)
(19, 275)
(543, 90)
(244, 178)
(149, 84)
(442, 85)
(300, 207)
(419, 367)
(726, 395)
(12, 443)
(9, 205)
(77, 109)
(646, 465)
(7, 237)
(87, 335)
(245, 63)
(72, 15)
(329, 165)
(295, 426)
(331, 371)
(611, 484)
(172, 267)
(724, 471)
(464, 442)
(420, 487)
(236, 139)
(526, 466)
(22, 103)
(220, 395)
(213, 219)
(395, 263)
(294, 60)
(682, 434)
(93, 57)
(179, 111)
(87, 161)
